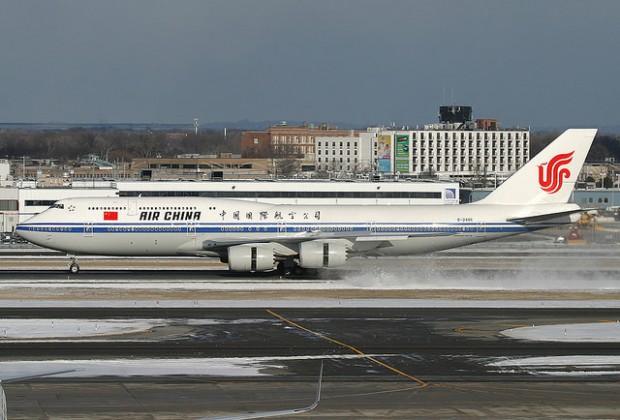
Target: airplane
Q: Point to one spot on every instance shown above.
(261, 237)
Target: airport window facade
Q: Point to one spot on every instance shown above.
(39, 203)
(287, 194)
(9, 205)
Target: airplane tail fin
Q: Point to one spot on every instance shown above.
(550, 176)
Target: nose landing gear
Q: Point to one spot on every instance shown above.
(74, 267)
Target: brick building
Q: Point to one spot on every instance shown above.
(281, 141)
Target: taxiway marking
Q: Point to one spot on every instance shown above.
(350, 347)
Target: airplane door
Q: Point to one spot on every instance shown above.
(477, 230)
(282, 230)
(191, 230)
(474, 230)
(89, 229)
(372, 228)
(132, 207)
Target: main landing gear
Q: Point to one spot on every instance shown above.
(290, 268)
(287, 267)
(74, 267)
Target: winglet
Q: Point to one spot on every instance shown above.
(550, 176)
(3, 414)
(278, 413)
(3, 407)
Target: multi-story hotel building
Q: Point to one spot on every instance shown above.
(456, 147)
(447, 152)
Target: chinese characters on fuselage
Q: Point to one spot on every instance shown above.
(276, 215)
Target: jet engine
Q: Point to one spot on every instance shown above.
(251, 258)
(320, 253)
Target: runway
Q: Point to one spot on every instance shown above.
(379, 363)
(171, 344)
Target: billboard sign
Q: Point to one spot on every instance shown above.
(401, 159)
(384, 153)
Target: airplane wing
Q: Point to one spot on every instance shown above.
(40, 375)
(3, 407)
(288, 246)
(3, 415)
(277, 413)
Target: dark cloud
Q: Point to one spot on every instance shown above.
(524, 62)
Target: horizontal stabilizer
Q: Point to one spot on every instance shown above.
(534, 219)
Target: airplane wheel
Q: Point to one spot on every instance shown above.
(74, 268)
(290, 268)
(283, 270)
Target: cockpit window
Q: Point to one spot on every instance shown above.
(58, 206)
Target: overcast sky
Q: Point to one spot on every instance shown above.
(539, 63)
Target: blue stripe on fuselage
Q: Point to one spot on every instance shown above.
(291, 228)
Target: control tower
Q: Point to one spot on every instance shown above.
(455, 114)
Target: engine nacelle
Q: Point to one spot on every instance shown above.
(251, 258)
(322, 253)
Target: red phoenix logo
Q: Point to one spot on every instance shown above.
(551, 174)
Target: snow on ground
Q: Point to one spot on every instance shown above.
(311, 303)
(49, 329)
(65, 329)
(599, 332)
(121, 367)
(571, 365)
(567, 365)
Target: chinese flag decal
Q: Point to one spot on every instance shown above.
(110, 215)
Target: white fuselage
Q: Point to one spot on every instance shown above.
(189, 226)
